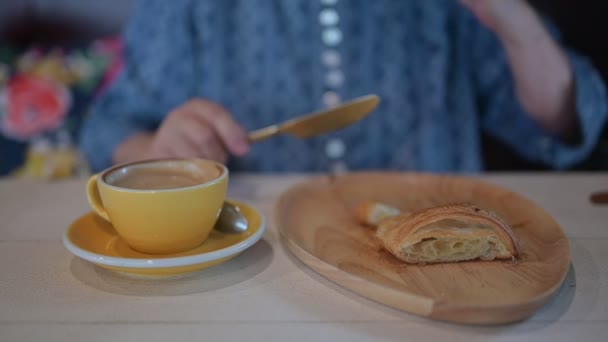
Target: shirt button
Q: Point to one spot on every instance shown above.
(335, 148)
(334, 78)
(329, 17)
(331, 58)
(331, 99)
(331, 36)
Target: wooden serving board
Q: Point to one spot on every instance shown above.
(316, 221)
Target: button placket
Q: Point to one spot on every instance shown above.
(334, 78)
(332, 37)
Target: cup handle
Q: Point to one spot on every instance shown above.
(95, 199)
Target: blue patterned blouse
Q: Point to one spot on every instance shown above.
(442, 77)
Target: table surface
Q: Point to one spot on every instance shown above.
(47, 294)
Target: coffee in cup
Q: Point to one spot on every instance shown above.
(160, 206)
(159, 177)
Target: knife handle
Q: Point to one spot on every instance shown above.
(600, 197)
(263, 133)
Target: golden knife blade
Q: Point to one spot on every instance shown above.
(320, 122)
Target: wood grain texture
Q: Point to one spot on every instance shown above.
(316, 220)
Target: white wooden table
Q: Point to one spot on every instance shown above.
(46, 294)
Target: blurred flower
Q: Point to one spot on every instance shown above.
(32, 105)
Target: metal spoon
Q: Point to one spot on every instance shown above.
(231, 220)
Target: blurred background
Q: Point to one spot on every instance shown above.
(63, 52)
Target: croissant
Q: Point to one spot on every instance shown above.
(441, 234)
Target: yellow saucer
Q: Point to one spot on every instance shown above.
(94, 239)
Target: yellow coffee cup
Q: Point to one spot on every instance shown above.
(160, 206)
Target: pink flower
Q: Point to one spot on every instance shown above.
(33, 105)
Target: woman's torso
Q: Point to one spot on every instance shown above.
(268, 61)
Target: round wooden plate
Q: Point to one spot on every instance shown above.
(316, 221)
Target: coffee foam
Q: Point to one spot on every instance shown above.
(166, 174)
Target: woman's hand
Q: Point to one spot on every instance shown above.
(198, 128)
(544, 80)
(504, 17)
